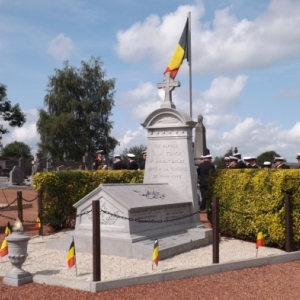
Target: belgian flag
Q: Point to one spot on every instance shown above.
(8, 229)
(180, 53)
(259, 240)
(38, 222)
(155, 255)
(4, 245)
(71, 258)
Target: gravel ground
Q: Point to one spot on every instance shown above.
(50, 262)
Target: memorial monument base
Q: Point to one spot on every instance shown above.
(160, 204)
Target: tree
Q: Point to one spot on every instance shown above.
(136, 150)
(12, 114)
(78, 106)
(266, 156)
(16, 149)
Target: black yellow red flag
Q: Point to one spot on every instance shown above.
(71, 257)
(181, 52)
(155, 255)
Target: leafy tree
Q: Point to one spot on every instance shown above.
(266, 156)
(219, 160)
(16, 149)
(78, 106)
(136, 150)
(12, 114)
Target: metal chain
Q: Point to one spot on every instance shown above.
(29, 201)
(8, 205)
(114, 215)
(149, 221)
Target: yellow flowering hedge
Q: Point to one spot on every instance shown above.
(252, 200)
(64, 188)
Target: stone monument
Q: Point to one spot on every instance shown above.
(164, 207)
(200, 140)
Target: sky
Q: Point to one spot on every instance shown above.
(245, 64)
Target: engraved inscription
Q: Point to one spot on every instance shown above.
(150, 194)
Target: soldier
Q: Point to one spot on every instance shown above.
(203, 172)
(240, 163)
(253, 163)
(298, 158)
(119, 164)
(100, 162)
(232, 162)
(227, 161)
(247, 160)
(143, 162)
(278, 162)
(266, 165)
(132, 165)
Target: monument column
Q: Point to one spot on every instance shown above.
(170, 157)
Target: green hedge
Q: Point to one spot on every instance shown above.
(253, 200)
(64, 188)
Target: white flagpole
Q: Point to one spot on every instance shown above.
(190, 62)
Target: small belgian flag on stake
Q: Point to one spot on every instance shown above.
(8, 229)
(38, 222)
(71, 258)
(155, 255)
(4, 245)
(259, 241)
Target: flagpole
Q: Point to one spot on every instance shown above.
(190, 62)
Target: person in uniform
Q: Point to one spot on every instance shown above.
(247, 160)
(143, 162)
(298, 158)
(118, 163)
(240, 163)
(100, 162)
(203, 172)
(132, 165)
(266, 165)
(227, 162)
(278, 162)
(253, 163)
(232, 162)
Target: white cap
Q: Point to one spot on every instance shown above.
(298, 155)
(202, 157)
(232, 158)
(117, 155)
(252, 158)
(267, 163)
(246, 158)
(144, 152)
(208, 156)
(226, 158)
(237, 154)
(130, 155)
(278, 159)
(100, 151)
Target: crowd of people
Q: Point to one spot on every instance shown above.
(233, 162)
(100, 162)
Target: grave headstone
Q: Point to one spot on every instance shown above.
(15, 176)
(200, 147)
(61, 168)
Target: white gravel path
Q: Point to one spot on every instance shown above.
(45, 261)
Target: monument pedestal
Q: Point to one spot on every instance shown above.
(164, 212)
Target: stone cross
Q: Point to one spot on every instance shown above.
(168, 85)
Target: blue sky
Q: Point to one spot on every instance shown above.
(245, 62)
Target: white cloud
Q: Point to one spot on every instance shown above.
(26, 134)
(225, 44)
(60, 47)
(131, 138)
